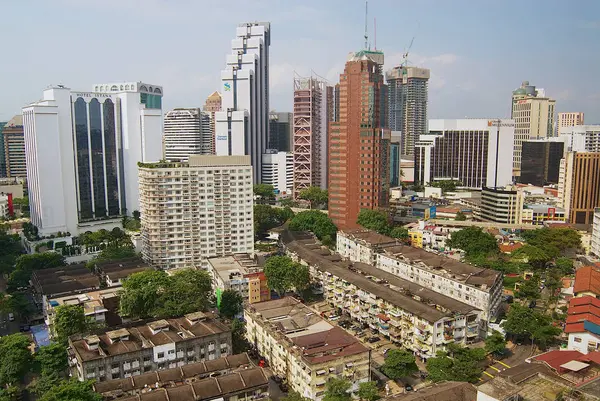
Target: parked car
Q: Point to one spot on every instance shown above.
(11, 317)
(408, 387)
(373, 339)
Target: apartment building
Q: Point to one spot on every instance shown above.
(13, 143)
(158, 345)
(579, 186)
(595, 248)
(278, 171)
(408, 314)
(187, 132)
(569, 119)
(196, 210)
(477, 287)
(581, 138)
(303, 348)
(500, 205)
(538, 214)
(239, 273)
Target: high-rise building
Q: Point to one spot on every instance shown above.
(13, 144)
(82, 151)
(333, 103)
(533, 114)
(502, 205)
(569, 120)
(595, 243)
(395, 170)
(212, 105)
(2, 157)
(471, 151)
(407, 104)
(196, 210)
(242, 125)
(579, 186)
(582, 138)
(281, 135)
(540, 161)
(278, 170)
(187, 132)
(358, 143)
(311, 109)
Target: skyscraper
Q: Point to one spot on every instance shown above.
(13, 143)
(187, 132)
(212, 105)
(579, 186)
(82, 152)
(2, 157)
(242, 125)
(569, 120)
(280, 131)
(533, 114)
(358, 143)
(540, 161)
(310, 133)
(407, 104)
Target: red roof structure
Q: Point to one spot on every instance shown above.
(587, 279)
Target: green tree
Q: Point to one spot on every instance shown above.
(460, 216)
(264, 193)
(71, 390)
(463, 364)
(52, 359)
(15, 358)
(315, 195)
(495, 344)
(533, 255)
(399, 232)
(474, 241)
(232, 304)
(294, 396)
(141, 293)
(11, 393)
(288, 202)
(10, 249)
(337, 389)
(439, 367)
(26, 264)
(524, 323)
(553, 241)
(399, 363)
(368, 391)
(565, 265)
(530, 289)
(69, 320)
(445, 185)
(239, 342)
(42, 384)
(317, 222)
(267, 217)
(283, 274)
(375, 220)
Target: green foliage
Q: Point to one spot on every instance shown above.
(399, 232)
(316, 196)
(71, 390)
(31, 232)
(294, 396)
(524, 322)
(288, 202)
(10, 249)
(368, 391)
(26, 264)
(267, 217)
(264, 193)
(44, 383)
(533, 255)
(445, 185)
(460, 216)
(375, 220)
(239, 342)
(337, 389)
(317, 222)
(115, 253)
(283, 274)
(463, 364)
(399, 363)
(553, 241)
(530, 289)
(52, 359)
(155, 294)
(131, 224)
(565, 265)
(11, 393)
(15, 358)
(69, 320)
(231, 304)
(474, 241)
(495, 344)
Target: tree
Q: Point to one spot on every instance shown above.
(15, 358)
(239, 342)
(399, 232)
(10, 249)
(288, 202)
(294, 396)
(565, 265)
(71, 390)
(140, 295)
(445, 185)
(374, 220)
(524, 322)
(368, 391)
(69, 320)
(267, 217)
(530, 289)
(315, 195)
(460, 216)
(337, 390)
(231, 304)
(439, 367)
(52, 359)
(495, 344)
(474, 241)
(553, 241)
(533, 255)
(399, 363)
(26, 264)
(264, 193)
(317, 222)
(283, 274)
(463, 364)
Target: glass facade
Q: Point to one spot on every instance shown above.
(394, 164)
(110, 148)
(97, 158)
(151, 101)
(83, 160)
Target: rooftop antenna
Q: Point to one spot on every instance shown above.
(366, 25)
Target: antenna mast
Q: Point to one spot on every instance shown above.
(366, 24)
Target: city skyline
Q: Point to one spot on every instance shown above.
(469, 74)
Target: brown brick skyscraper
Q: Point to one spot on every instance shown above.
(359, 141)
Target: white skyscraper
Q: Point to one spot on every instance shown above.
(82, 152)
(187, 132)
(278, 170)
(242, 125)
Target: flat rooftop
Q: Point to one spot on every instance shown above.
(64, 279)
(369, 237)
(445, 391)
(119, 269)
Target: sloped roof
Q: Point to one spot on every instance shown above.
(587, 279)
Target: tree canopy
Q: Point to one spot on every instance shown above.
(294, 396)
(153, 293)
(460, 216)
(10, 249)
(69, 320)
(533, 255)
(495, 344)
(399, 363)
(26, 264)
(462, 364)
(267, 217)
(473, 241)
(231, 304)
(317, 222)
(316, 196)
(445, 185)
(530, 289)
(15, 358)
(52, 359)
(283, 274)
(71, 390)
(375, 220)
(368, 391)
(337, 389)
(264, 193)
(553, 241)
(239, 343)
(524, 322)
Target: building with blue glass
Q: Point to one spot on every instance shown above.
(82, 150)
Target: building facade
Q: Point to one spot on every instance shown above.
(569, 120)
(312, 107)
(579, 186)
(500, 205)
(540, 162)
(281, 136)
(595, 243)
(469, 151)
(533, 114)
(278, 171)
(212, 105)
(187, 132)
(358, 142)
(241, 274)
(395, 171)
(582, 138)
(197, 210)
(242, 125)
(13, 143)
(82, 151)
(407, 104)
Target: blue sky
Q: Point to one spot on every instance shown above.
(478, 50)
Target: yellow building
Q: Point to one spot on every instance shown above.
(416, 238)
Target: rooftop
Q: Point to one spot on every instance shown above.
(587, 279)
(445, 391)
(64, 279)
(369, 237)
(16, 121)
(233, 266)
(116, 270)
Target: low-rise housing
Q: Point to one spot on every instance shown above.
(583, 324)
(539, 214)
(303, 348)
(361, 245)
(587, 281)
(240, 273)
(595, 240)
(157, 345)
(444, 391)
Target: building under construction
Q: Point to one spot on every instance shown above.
(314, 106)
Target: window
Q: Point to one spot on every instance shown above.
(577, 339)
(161, 355)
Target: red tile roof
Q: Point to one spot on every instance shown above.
(559, 357)
(507, 248)
(587, 300)
(574, 328)
(587, 279)
(583, 316)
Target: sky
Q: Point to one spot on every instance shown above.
(478, 50)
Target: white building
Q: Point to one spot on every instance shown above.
(4, 206)
(569, 119)
(82, 152)
(595, 248)
(472, 151)
(242, 125)
(278, 171)
(581, 138)
(187, 132)
(196, 210)
(502, 205)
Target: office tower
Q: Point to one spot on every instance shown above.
(82, 151)
(595, 243)
(2, 157)
(540, 161)
(212, 105)
(278, 170)
(310, 133)
(395, 170)
(569, 120)
(471, 151)
(579, 186)
(407, 104)
(358, 144)
(582, 138)
(333, 103)
(13, 144)
(533, 114)
(242, 125)
(187, 132)
(281, 135)
(196, 210)
(501, 205)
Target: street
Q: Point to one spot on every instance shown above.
(518, 354)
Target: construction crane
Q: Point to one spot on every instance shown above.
(406, 53)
